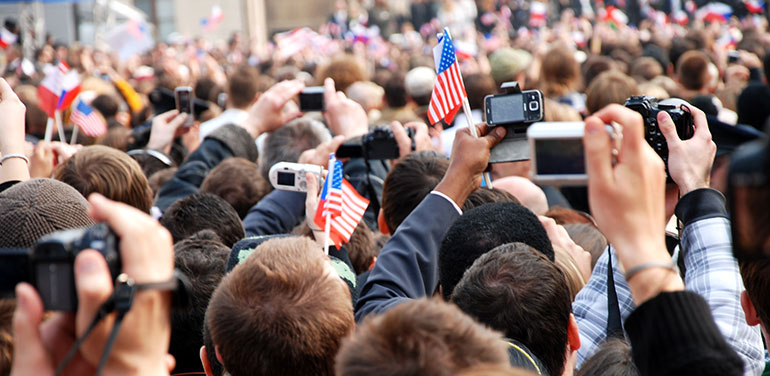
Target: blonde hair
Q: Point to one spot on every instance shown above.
(567, 264)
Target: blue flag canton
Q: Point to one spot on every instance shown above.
(447, 54)
(337, 175)
(334, 181)
(84, 108)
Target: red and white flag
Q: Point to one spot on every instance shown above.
(7, 38)
(58, 89)
(342, 203)
(448, 90)
(88, 120)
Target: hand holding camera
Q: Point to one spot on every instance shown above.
(146, 252)
(267, 113)
(689, 161)
(165, 128)
(627, 199)
(344, 116)
(419, 141)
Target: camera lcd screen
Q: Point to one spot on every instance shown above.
(286, 178)
(184, 102)
(311, 100)
(506, 109)
(560, 156)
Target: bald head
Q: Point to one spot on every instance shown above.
(530, 195)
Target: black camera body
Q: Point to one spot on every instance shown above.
(649, 108)
(377, 144)
(49, 265)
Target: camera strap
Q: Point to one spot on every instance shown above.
(120, 302)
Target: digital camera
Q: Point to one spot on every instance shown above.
(49, 265)
(515, 111)
(377, 144)
(649, 108)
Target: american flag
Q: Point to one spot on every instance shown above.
(449, 90)
(342, 203)
(88, 120)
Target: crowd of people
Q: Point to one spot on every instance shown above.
(632, 275)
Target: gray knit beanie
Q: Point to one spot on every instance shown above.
(37, 207)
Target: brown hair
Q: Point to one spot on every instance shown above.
(407, 184)
(420, 337)
(692, 70)
(566, 263)
(495, 370)
(560, 72)
(756, 279)
(110, 172)
(345, 70)
(361, 248)
(238, 181)
(645, 68)
(493, 289)
(589, 237)
(609, 87)
(280, 311)
(242, 86)
(7, 306)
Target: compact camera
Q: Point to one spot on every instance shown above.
(557, 153)
(49, 265)
(288, 176)
(377, 144)
(514, 110)
(183, 95)
(649, 108)
(312, 99)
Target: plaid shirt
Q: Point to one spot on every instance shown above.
(711, 271)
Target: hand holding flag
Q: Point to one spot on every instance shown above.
(449, 89)
(340, 207)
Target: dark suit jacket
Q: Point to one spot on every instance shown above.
(407, 267)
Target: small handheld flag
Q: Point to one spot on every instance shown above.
(340, 207)
(7, 38)
(448, 90)
(86, 118)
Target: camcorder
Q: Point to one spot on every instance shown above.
(377, 144)
(649, 108)
(49, 265)
(515, 110)
(748, 197)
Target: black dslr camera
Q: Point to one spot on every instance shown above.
(377, 144)
(649, 108)
(49, 265)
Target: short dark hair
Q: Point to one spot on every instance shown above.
(419, 337)
(517, 290)
(395, 91)
(484, 195)
(612, 359)
(280, 312)
(201, 258)
(756, 279)
(287, 143)
(478, 86)
(107, 105)
(203, 211)
(407, 184)
(362, 248)
(480, 229)
(242, 86)
(692, 70)
(238, 181)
